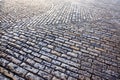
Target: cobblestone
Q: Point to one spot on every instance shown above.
(5, 75)
(59, 40)
(30, 68)
(68, 62)
(60, 75)
(72, 54)
(45, 75)
(17, 69)
(31, 76)
(55, 78)
(45, 58)
(56, 53)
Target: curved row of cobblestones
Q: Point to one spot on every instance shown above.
(63, 13)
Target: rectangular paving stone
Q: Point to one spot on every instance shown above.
(48, 54)
(31, 76)
(22, 52)
(58, 39)
(36, 54)
(50, 46)
(45, 75)
(69, 43)
(48, 69)
(15, 60)
(61, 50)
(46, 63)
(46, 58)
(68, 62)
(87, 64)
(55, 78)
(56, 62)
(37, 59)
(72, 54)
(60, 75)
(46, 49)
(42, 43)
(30, 61)
(74, 47)
(15, 68)
(39, 66)
(5, 74)
(55, 53)
(85, 51)
(67, 48)
(17, 77)
(29, 68)
(72, 74)
(3, 62)
(66, 56)
(58, 68)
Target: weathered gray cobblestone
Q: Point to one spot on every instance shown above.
(45, 75)
(15, 68)
(29, 68)
(60, 40)
(31, 76)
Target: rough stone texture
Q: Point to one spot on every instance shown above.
(2, 77)
(60, 39)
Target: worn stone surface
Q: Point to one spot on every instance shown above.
(2, 77)
(60, 39)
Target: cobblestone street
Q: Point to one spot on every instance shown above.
(59, 39)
